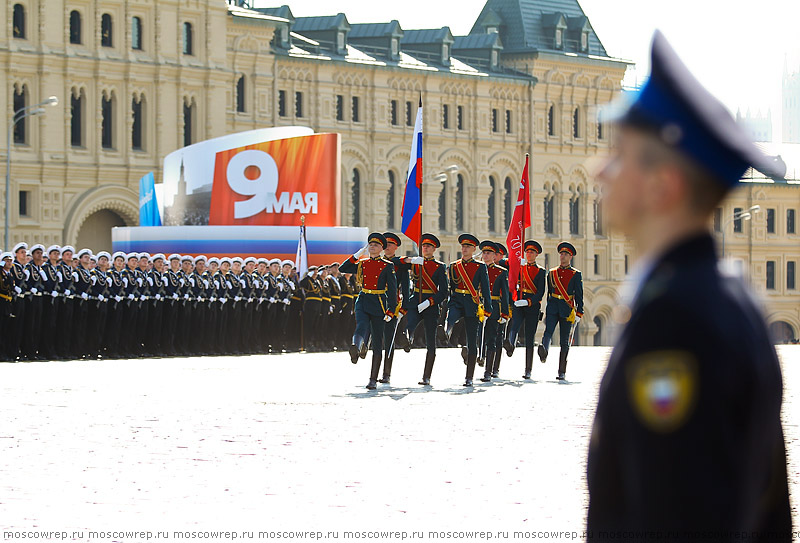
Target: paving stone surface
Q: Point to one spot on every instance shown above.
(296, 442)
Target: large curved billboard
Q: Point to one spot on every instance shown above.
(266, 177)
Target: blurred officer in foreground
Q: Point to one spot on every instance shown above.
(687, 437)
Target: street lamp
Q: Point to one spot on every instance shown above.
(744, 215)
(20, 114)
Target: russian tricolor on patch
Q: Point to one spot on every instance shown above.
(411, 216)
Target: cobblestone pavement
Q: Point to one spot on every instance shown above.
(297, 442)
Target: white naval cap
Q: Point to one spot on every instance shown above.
(199, 258)
(158, 256)
(174, 256)
(225, 259)
(249, 259)
(104, 254)
(213, 260)
(237, 259)
(5, 255)
(187, 258)
(287, 263)
(53, 248)
(93, 257)
(132, 255)
(67, 248)
(20, 245)
(263, 260)
(38, 246)
(118, 254)
(274, 261)
(84, 252)
(144, 255)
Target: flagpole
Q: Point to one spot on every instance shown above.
(421, 199)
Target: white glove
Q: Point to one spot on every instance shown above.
(139, 281)
(223, 300)
(175, 296)
(67, 292)
(191, 281)
(19, 290)
(423, 306)
(101, 297)
(360, 252)
(60, 277)
(186, 296)
(212, 299)
(74, 276)
(27, 274)
(94, 279)
(250, 299)
(577, 319)
(287, 301)
(205, 282)
(84, 296)
(158, 296)
(165, 280)
(183, 281)
(125, 282)
(280, 287)
(502, 320)
(257, 283)
(118, 298)
(34, 290)
(417, 260)
(216, 284)
(130, 296)
(521, 303)
(228, 283)
(236, 298)
(387, 318)
(522, 261)
(150, 281)
(54, 294)
(272, 300)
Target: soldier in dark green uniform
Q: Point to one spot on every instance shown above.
(375, 303)
(391, 330)
(528, 305)
(498, 286)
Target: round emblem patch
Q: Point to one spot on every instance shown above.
(663, 386)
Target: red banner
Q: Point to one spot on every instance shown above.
(516, 230)
(274, 183)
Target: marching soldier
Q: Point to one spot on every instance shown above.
(429, 279)
(687, 441)
(498, 286)
(564, 305)
(528, 305)
(373, 307)
(392, 328)
(469, 282)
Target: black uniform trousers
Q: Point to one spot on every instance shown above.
(33, 324)
(370, 326)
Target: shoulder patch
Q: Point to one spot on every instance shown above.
(662, 389)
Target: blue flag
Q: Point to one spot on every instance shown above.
(148, 206)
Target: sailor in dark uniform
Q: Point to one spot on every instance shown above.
(391, 329)
(50, 301)
(33, 312)
(429, 280)
(469, 285)
(528, 305)
(66, 307)
(294, 304)
(564, 306)
(19, 303)
(312, 302)
(82, 282)
(375, 303)
(687, 440)
(7, 295)
(498, 286)
(98, 306)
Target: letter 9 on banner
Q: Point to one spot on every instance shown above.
(275, 182)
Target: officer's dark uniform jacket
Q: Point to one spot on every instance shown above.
(531, 284)
(478, 275)
(49, 278)
(378, 284)
(65, 280)
(401, 270)
(498, 286)
(431, 285)
(687, 434)
(99, 284)
(83, 282)
(34, 274)
(20, 278)
(7, 292)
(572, 281)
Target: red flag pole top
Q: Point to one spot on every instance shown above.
(516, 230)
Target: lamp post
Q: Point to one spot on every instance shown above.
(745, 215)
(20, 114)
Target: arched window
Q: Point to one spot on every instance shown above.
(548, 213)
(20, 102)
(598, 336)
(19, 21)
(390, 217)
(75, 27)
(240, 94)
(77, 112)
(137, 128)
(187, 39)
(551, 120)
(107, 121)
(574, 214)
(137, 33)
(460, 203)
(598, 217)
(600, 132)
(442, 204)
(189, 116)
(492, 199)
(576, 123)
(106, 31)
(508, 203)
(356, 201)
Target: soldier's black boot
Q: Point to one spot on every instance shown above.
(373, 376)
(498, 354)
(542, 353)
(464, 355)
(426, 373)
(355, 348)
(510, 343)
(562, 364)
(402, 342)
(528, 363)
(487, 372)
(471, 359)
(387, 370)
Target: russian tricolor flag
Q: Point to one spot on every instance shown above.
(411, 216)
